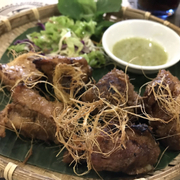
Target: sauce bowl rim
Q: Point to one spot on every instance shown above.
(134, 66)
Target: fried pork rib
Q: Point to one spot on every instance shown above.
(30, 114)
(19, 69)
(162, 101)
(47, 65)
(139, 155)
(114, 87)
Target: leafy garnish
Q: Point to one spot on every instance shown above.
(72, 33)
(64, 36)
(18, 48)
(78, 9)
(95, 58)
(88, 9)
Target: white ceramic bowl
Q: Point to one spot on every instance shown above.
(154, 31)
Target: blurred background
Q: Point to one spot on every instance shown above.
(11, 7)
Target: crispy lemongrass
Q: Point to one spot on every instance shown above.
(77, 127)
(78, 130)
(68, 80)
(166, 102)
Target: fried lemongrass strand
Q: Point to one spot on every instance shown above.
(168, 104)
(162, 100)
(124, 100)
(21, 68)
(78, 130)
(68, 81)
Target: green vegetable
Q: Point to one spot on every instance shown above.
(77, 9)
(84, 29)
(90, 10)
(105, 6)
(70, 34)
(65, 36)
(18, 48)
(57, 27)
(95, 58)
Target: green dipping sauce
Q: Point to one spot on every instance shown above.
(140, 51)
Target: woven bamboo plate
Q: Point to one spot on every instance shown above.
(14, 26)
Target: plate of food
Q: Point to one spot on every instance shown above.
(68, 112)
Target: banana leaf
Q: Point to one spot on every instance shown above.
(44, 155)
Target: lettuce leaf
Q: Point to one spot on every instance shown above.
(18, 48)
(84, 29)
(90, 10)
(70, 33)
(95, 58)
(78, 9)
(87, 9)
(106, 6)
(58, 27)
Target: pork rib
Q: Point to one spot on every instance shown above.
(115, 83)
(19, 69)
(47, 65)
(162, 101)
(31, 114)
(139, 156)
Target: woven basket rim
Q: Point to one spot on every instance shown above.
(15, 25)
(41, 12)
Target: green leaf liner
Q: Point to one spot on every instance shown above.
(44, 155)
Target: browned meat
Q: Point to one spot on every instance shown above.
(162, 100)
(139, 156)
(47, 65)
(19, 69)
(68, 82)
(140, 151)
(2, 125)
(31, 114)
(114, 87)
